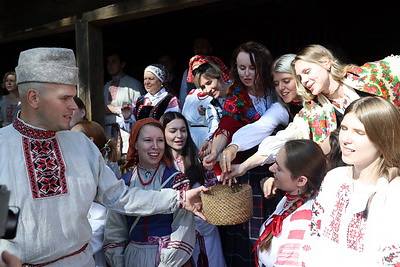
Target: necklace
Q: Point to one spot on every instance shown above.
(147, 174)
(329, 96)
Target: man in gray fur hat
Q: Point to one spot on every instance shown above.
(54, 175)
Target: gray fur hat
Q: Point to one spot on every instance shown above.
(47, 64)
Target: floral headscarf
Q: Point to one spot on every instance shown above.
(197, 61)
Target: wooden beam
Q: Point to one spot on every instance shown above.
(137, 9)
(123, 11)
(59, 26)
(89, 51)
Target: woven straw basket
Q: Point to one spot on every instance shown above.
(228, 205)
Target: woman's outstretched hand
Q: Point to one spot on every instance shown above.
(227, 156)
(193, 201)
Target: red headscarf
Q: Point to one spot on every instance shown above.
(196, 61)
(132, 155)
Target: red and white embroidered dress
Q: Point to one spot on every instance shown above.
(54, 177)
(285, 249)
(341, 236)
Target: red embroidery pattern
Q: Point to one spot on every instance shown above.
(182, 199)
(45, 166)
(288, 255)
(182, 245)
(44, 162)
(301, 215)
(30, 132)
(356, 232)
(342, 196)
(315, 223)
(296, 234)
(391, 256)
(181, 182)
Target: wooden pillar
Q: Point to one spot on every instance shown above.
(89, 53)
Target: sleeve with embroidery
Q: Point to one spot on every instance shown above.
(389, 252)
(182, 240)
(173, 105)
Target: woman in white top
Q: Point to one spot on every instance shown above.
(355, 214)
(213, 78)
(299, 169)
(156, 102)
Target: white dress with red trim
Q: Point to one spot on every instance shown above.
(54, 177)
(285, 249)
(342, 236)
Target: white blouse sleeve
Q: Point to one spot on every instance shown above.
(252, 134)
(389, 247)
(183, 238)
(212, 120)
(298, 129)
(173, 105)
(116, 235)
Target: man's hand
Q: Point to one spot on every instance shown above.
(267, 186)
(227, 156)
(193, 201)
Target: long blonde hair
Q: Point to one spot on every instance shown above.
(318, 54)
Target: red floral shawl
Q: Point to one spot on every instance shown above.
(238, 111)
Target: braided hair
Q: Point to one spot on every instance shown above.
(303, 158)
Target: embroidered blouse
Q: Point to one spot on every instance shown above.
(55, 174)
(339, 228)
(286, 247)
(149, 100)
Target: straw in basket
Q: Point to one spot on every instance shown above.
(228, 205)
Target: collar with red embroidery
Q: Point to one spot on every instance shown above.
(32, 132)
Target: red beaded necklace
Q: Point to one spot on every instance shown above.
(152, 178)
